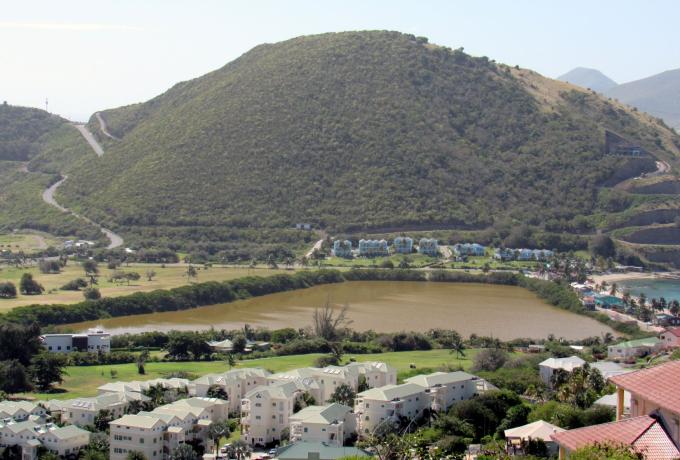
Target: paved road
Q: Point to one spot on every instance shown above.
(90, 139)
(104, 127)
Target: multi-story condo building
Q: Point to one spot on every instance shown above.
(389, 405)
(157, 433)
(31, 436)
(428, 246)
(236, 383)
(82, 411)
(95, 340)
(373, 248)
(342, 248)
(469, 249)
(446, 388)
(266, 411)
(403, 245)
(375, 373)
(21, 410)
(331, 424)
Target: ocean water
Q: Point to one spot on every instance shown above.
(669, 289)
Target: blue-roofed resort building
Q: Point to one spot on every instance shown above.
(428, 246)
(372, 248)
(469, 249)
(403, 245)
(342, 248)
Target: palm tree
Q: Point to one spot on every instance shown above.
(614, 289)
(240, 449)
(607, 338)
(217, 431)
(674, 308)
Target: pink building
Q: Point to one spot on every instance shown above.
(670, 338)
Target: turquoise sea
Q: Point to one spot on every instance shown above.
(669, 289)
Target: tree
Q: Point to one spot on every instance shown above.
(343, 394)
(150, 274)
(602, 245)
(7, 290)
(49, 267)
(231, 361)
(47, 369)
(74, 285)
(28, 286)
(217, 391)
(217, 431)
(239, 342)
(132, 276)
(326, 322)
(606, 452)
(90, 267)
(102, 419)
(13, 377)
(141, 362)
(92, 293)
(191, 273)
(183, 452)
(490, 359)
(582, 387)
(135, 455)
(240, 450)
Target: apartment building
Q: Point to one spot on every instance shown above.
(21, 410)
(331, 424)
(403, 245)
(82, 411)
(389, 404)
(236, 383)
(266, 411)
(342, 248)
(95, 340)
(31, 436)
(157, 433)
(373, 248)
(446, 388)
(175, 385)
(428, 246)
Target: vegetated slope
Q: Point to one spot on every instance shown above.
(658, 95)
(22, 130)
(34, 147)
(358, 130)
(589, 78)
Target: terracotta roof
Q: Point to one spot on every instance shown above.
(674, 330)
(657, 384)
(644, 434)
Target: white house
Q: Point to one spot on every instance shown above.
(20, 410)
(388, 404)
(95, 340)
(30, 436)
(446, 388)
(634, 348)
(331, 424)
(551, 365)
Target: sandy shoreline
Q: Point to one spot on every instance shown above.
(615, 277)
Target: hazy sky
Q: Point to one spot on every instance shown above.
(90, 55)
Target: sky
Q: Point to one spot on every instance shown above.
(84, 56)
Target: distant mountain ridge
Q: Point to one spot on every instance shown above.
(588, 78)
(658, 95)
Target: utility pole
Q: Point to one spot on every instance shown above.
(46, 103)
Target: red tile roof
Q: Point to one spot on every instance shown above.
(674, 330)
(644, 434)
(658, 384)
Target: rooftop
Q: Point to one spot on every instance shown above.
(674, 330)
(440, 378)
(647, 342)
(658, 384)
(644, 434)
(318, 450)
(328, 414)
(568, 364)
(391, 392)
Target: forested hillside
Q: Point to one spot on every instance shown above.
(22, 131)
(355, 131)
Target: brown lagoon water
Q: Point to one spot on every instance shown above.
(505, 312)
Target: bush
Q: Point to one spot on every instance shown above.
(29, 286)
(7, 290)
(490, 359)
(49, 266)
(92, 293)
(74, 285)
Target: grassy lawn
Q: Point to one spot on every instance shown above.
(414, 260)
(83, 380)
(27, 242)
(172, 275)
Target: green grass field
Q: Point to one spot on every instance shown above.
(83, 381)
(172, 275)
(27, 242)
(414, 260)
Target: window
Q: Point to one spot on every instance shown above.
(306, 429)
(141, 440)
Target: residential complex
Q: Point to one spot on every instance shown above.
(388, 405)
(20, 410)
(342, 248)
(265, 412)
(403, 245)
(428, 246)
(174, 385)
(235, 383)
(157, 433)
(446, 388)
(469, 249)
(373, 248)
(95, 340)
(31, 435)
(82, 411)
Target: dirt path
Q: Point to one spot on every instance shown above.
(90, 139)
(103, 126)
(317, 246)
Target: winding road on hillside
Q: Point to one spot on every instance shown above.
(104, 127)
(115, 240)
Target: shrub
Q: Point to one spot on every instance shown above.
(7, 290)
(29, 286)
(490, 359)
(49, 266)
(74, 285)
(92, 293)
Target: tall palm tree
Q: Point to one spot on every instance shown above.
(217, 431)
(240, 449)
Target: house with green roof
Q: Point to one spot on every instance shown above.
(634, 348)
(318, 451)
(331, 424)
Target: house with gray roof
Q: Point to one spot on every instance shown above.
(331, 424)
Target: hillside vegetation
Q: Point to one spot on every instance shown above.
(22, 131)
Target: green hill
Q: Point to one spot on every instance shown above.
(352, 132)
(22, 131)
